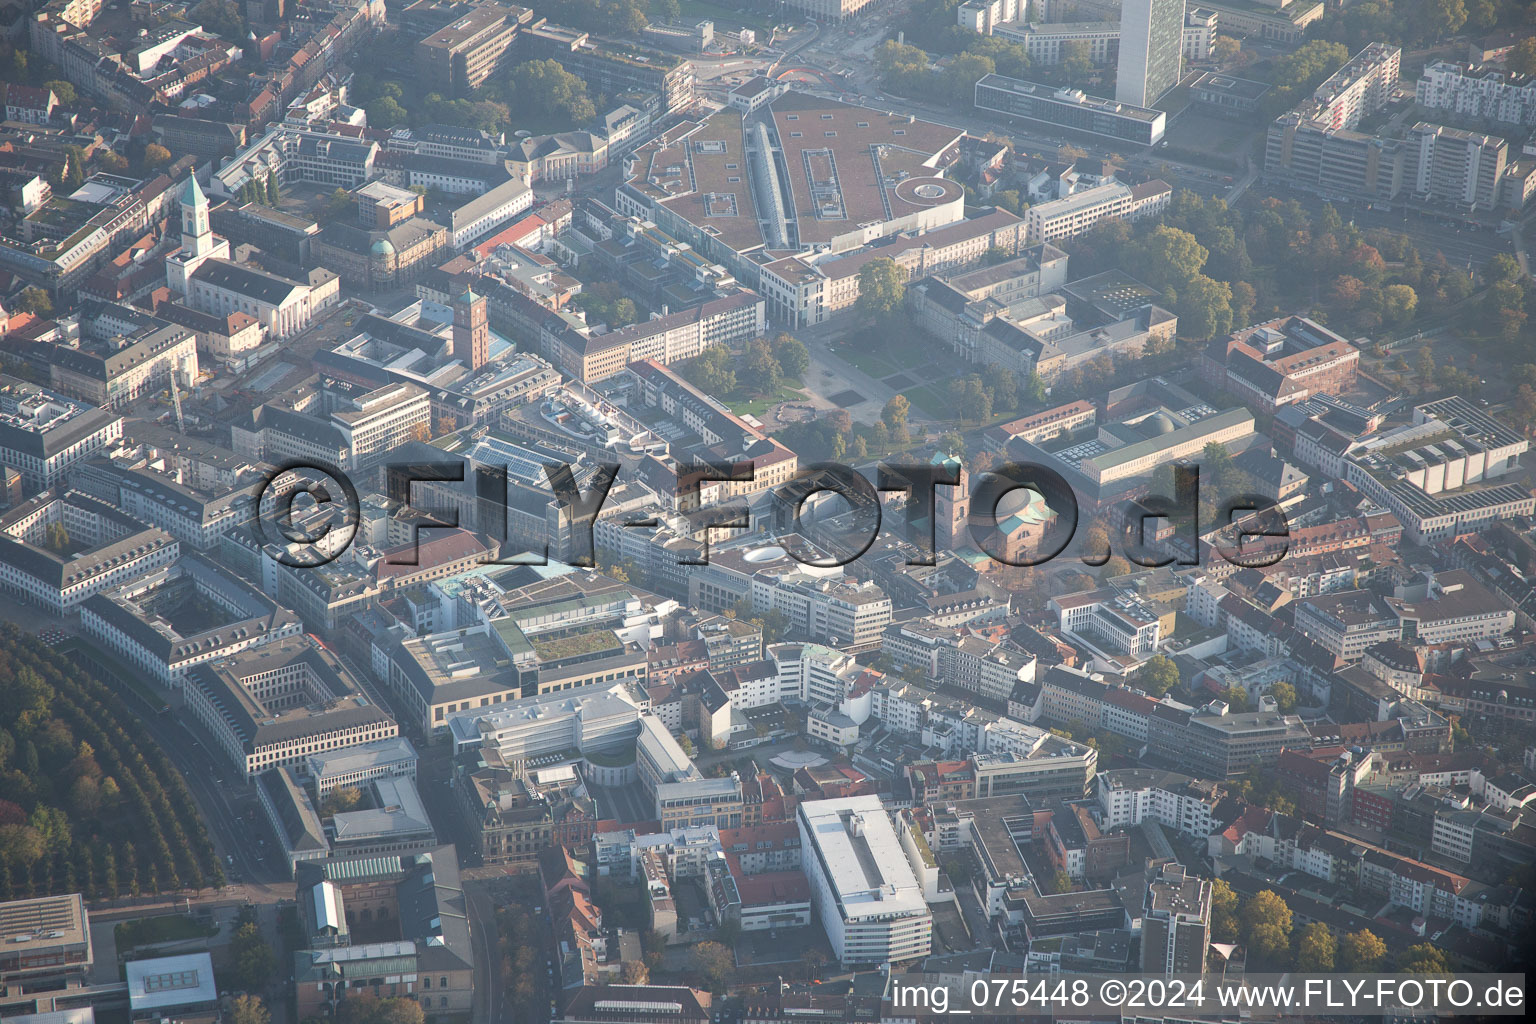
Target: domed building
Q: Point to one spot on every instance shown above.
(389, 245)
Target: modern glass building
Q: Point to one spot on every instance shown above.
(1069, 108)
(1151, 50)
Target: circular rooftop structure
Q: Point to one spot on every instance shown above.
(383, 247)
(929, 191)
(1158, 423)
(770, 553)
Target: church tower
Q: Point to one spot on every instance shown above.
(198, 242)
(951, 508)
(196, 235)
(471, 336)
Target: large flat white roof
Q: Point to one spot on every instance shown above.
(169, 981)
(858, 850)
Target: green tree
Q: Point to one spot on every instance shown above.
(1522, 59)
(249, 1009)
(715, 962)
(763, 373)
(882, 290)
(63, 89)
(711, 370)
(386, 112)
(668, 10)
(1061, 882)
(1285, 696)
(545, 88)
(1360, 952)
(251, 958)
(794, 359)
(1237, 697)
(1266, 925)
(223, 19)
(1224, 923)
(1168, 257)
(1159, 674)
(1225, 49)
(894, 415)
(962, 74)
(1422, 959)
(156, 156)
(1315, 949)
(33, 300)
(1204, 306)
(1076, 58)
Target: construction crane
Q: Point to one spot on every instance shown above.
(181, 423)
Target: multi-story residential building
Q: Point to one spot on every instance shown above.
(280, 703)
(1067, 218)
(1070, 108)
(1151, 50)
(43, 434)
(983, 16)
(1478, 92)
(1359, 88)
(863, 887)
(1455, 166)
(1129, 796)
(459, 57)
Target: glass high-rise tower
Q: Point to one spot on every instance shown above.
(1151, 50)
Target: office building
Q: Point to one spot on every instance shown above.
(43, 434)
(172, 988)
(1441, 474)
(1066, 218)
(1049, 44)
(1175, 922)
(103, 548)
(1215, 742)
(281, 702)
(45, 947)
(329, 770)
(1070, 108)
(1151, 50)
(159, 623)
(862, 884)
(458, 58)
